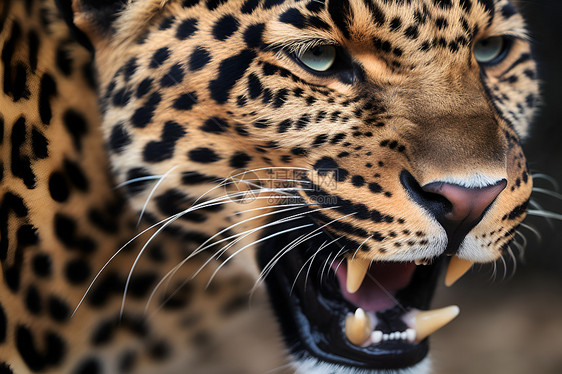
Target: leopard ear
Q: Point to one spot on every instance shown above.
(91, 20)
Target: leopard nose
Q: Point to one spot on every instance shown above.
(458, 209)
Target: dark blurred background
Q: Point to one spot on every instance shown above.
(544, 148)
(511, 322)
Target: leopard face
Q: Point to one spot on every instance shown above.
(332, 141)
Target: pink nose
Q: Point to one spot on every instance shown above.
(468, 203)
(467, 207)
(458, 209)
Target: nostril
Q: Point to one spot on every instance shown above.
(436, 204)
(468, 204)
(458, 209)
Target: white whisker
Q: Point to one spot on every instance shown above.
(548, 192)
(309, 268)
(226, 181)
(256, 242)
(548, 178)
(297, 241)
(360, 245)
(532, 229)
(282, 220)
(324, 270)
(512, 256)
(493, 276)
(546, 214)
(217, 254)
(504, 267)
(265, 271)
(170, 220)
(523, 238)
(152, 193)
(335, 257)
(136, 180)
(324, 245)
(342, 259)
(538, 211)
(111, 259)
(520, 249)
(204, 247)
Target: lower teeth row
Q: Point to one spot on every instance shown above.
(378, 336)
(359, 326)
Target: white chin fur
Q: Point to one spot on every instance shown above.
(471, 249)
(313, 366)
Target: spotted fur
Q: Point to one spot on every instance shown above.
(176, 101)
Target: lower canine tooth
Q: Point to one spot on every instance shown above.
(358, 327)
(427, 322)
(356, 270)
(457, 268)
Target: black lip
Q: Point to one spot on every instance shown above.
(311, 310)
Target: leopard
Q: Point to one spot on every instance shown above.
(252, 186)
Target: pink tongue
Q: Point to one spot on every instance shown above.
(380, 284)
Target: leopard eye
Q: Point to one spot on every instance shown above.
(490, 50)
(319, 58)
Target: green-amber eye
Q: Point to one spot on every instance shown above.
(489, 50)
(319, 58)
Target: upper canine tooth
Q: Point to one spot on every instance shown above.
(457, 268)
(356, 271)
(358, 327)
(427, 322)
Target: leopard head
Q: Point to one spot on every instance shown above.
(351, 149)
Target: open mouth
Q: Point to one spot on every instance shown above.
(346, 311)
